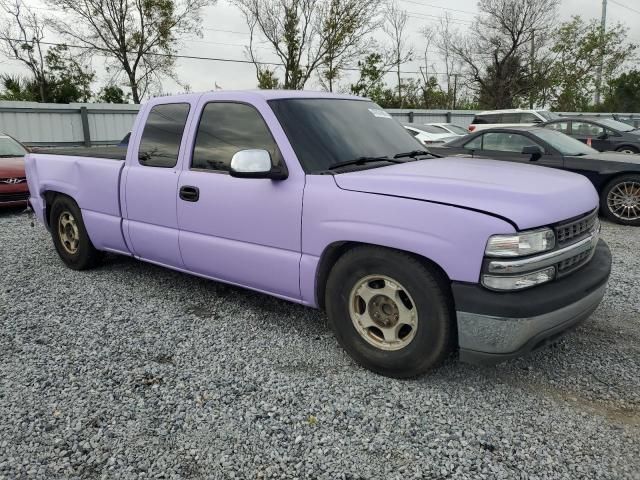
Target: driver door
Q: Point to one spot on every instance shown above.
(245, 231)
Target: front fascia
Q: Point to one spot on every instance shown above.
(454, 238)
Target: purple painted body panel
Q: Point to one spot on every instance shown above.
(488, 185)
(270, 235)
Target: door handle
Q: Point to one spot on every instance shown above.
(189, 193)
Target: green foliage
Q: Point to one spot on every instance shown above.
(65, 80)
(293, 78)
(112, 94)
(19, 89)
(68, 80)
(139, 38)
(267, 79)
(504, 84)
(370, 84)
(580, 47)
(623, 94)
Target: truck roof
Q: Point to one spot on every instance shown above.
(266, 94)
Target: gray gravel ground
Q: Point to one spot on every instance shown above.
(131, 371)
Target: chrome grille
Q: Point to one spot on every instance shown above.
(577, 229)
(570, 264)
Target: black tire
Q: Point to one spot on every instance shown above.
(430, 292)
(605, 207)
(627, 150)
(85, 255)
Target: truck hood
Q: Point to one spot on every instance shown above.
(527, 195)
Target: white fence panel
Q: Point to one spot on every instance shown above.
(104, 124)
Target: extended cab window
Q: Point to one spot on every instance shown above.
(162, 135)
(225, 129)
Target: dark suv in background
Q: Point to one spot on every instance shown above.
(603, 134)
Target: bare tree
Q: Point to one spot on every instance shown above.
(395, 27)
(138, 37)
(310, 35)
(289, 28)
(21, 37)
(266, 76)
(498, 55)
(344, 28)
(444, 44)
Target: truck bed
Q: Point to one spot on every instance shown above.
(91, 181)
(108, 153)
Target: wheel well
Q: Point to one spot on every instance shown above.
(631, 147)
(334, 251)
(49, 197)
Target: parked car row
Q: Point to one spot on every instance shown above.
(616, 176)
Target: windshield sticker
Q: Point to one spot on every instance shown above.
(377, 112)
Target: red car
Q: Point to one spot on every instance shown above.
(13, 182)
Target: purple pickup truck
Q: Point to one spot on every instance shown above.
(327, 201)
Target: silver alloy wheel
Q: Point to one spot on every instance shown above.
(68, 232)
(383, 312)
(623, 200)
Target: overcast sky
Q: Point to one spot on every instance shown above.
(225, 34)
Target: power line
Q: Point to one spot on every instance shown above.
(212, 59)
(438, 7)
(625, 6)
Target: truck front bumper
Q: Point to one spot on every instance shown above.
(495, 326)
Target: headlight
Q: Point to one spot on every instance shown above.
(518, 282)
(521, 244)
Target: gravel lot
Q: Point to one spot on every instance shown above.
(131, 370)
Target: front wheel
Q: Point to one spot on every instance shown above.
(620, 200)
(389, 311)
(70, 235)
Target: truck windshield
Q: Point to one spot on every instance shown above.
(324, 132)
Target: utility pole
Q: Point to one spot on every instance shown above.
(455, 90)
(603, 29)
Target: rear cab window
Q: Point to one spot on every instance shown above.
(162, 135)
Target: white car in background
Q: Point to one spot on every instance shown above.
(510, 118)
(451, 128)
(427, 134)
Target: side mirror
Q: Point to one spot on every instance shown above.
(534, 150)
(255, 164)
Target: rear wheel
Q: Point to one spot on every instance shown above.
(70, 235)
(627, 150)
(620, 200)
(389, 312)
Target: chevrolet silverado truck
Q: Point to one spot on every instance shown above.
(325, 200)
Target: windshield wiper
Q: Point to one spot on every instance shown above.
(412, 154)
(361, 161)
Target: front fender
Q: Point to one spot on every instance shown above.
(451, 237)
